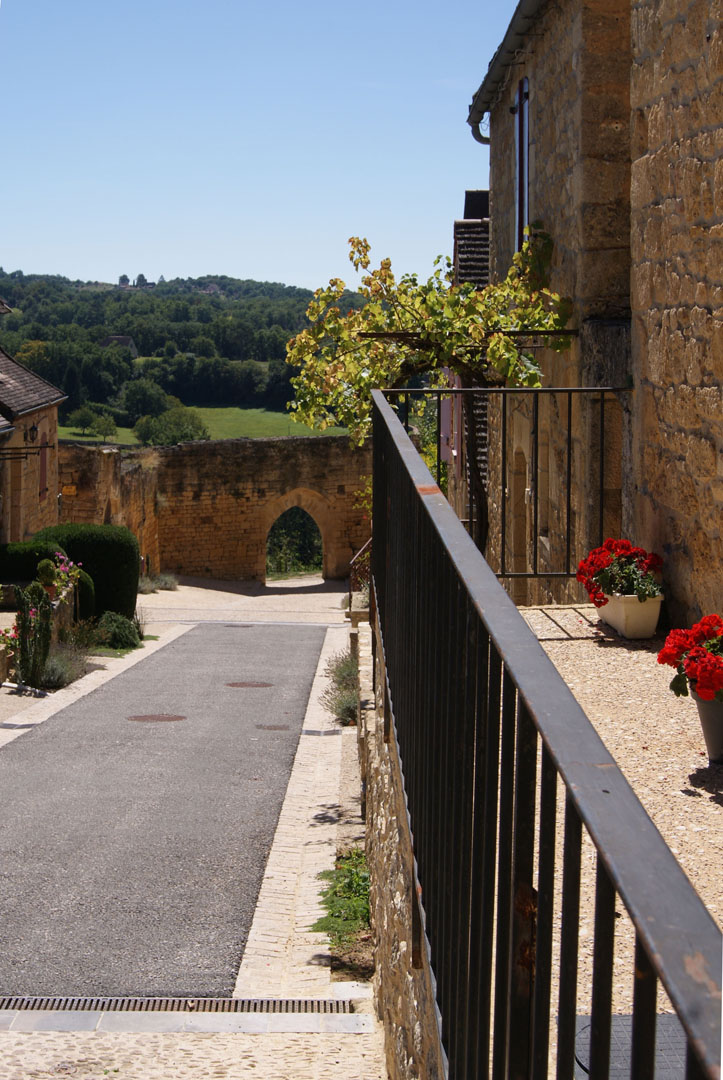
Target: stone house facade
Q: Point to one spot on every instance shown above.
(28, 451)
(605, 126)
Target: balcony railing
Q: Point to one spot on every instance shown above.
(571, 446)
(494, 748)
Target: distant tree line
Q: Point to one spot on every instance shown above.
(204, 341)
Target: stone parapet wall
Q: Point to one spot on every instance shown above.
(675, 498)
(403, 986)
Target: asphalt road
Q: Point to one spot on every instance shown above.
(132, 851)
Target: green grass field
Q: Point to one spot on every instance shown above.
(223, 423)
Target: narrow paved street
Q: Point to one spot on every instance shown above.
(135, 824)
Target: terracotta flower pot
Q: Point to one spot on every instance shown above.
(630, 617)
(711, 721)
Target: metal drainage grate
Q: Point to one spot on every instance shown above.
(257, 685)
(171, 1004)
(157, 718)
(273, 727)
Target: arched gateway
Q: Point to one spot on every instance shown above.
(205, 508)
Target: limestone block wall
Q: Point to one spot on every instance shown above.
(674, 501)
(205, 509)
(577, 62)
(103, 486)
(217, 504)
(403, 985)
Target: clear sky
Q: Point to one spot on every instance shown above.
(227, 137)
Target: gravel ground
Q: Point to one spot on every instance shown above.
(657, 742)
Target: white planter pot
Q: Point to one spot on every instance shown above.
(630, 617)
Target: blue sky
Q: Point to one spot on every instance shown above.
(224, 137)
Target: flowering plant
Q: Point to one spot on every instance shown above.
(9, 638)
(618, 568)
(66, 572)
(698, 655)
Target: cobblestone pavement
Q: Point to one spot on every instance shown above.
(282, 959)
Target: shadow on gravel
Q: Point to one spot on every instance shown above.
(709, 779)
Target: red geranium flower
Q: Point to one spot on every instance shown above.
(619, 568)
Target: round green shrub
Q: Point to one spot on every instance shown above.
(109, 553)
(118, 632)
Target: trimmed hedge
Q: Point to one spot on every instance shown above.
(19, 562)
(109, 553)
(86, 596)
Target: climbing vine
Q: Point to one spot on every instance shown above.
(406, 328)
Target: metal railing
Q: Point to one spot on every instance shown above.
(588, 454)
(489, 736)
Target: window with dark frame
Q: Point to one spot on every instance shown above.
(522, 161)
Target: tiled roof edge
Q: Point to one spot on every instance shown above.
(525, 14)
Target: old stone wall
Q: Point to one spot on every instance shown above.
(216, 505)
(205, 509)
(674, 500)
(402, 981)
(101, 486)
(577, 63)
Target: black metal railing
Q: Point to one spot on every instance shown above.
(493, 748)
(547, 549)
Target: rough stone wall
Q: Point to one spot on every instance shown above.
(577, 61)
(675, 498)
(217, 504)
(101, 486)
(205, 509)
(403, 990)
(27, 503)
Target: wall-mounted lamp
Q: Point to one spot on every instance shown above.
(31, 434)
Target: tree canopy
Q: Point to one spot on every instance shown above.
(209, 340)
(406, 328)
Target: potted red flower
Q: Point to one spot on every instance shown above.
(698, 655)
(622, 579)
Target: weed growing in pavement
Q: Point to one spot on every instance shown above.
(346, 898)
(341, 698)
(166, 582)
(64, 665)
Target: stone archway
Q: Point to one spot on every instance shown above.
(319, 509)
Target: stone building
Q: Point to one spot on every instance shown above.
(605, 126)
(28, 451)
